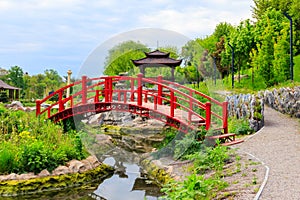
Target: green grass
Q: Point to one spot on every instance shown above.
(31, 144)
(297, 68)
(252, 85)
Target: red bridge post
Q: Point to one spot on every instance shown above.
(159, 90)
(208, 115)
(96, 99)
(61, 106)
(38, 107)
(225, 116)
(84, 89)
(132, 90)
(140, 90)
(191, 107)
(108, 89)
(172, 99)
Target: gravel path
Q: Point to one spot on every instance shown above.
(278, 146)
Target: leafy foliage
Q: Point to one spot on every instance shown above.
(29, 144)
(119, 57)
(292, 7)
(239, 126)
(196, 186)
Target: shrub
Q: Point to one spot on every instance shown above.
(8, 162)
(239, 126)
(197, 186)
(210, 159)
(35, 157)
(30, 144)
(189, 144)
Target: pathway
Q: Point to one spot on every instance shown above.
(278, 146)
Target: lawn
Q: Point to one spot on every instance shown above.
(297, 68)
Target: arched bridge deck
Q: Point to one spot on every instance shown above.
(169, 102)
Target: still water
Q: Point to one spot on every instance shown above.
(127, 183)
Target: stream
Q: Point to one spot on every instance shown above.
(127, 183)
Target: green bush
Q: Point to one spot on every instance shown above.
(30, 144)
(8, 160)
(239, 126)
(197, 186)
(194, 187)
(186, 146)
(35, 157)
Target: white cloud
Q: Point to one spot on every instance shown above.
(72, 28)
(198, 20)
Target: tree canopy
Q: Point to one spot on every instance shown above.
(120, 56)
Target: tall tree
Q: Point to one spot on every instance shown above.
(292, 7)
(15, 74)
(120, 56)
(271, 57)
(52, 79)
(242, 38)
(191, 54)
(223, 29)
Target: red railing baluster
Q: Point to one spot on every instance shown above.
(225, 116)
(60, 101)
(132, 90)
(140, 90)
(125, 96)
(96, 100)
(191, 107)
(106, 90)
(155, 102)
(110, 89)
(159, 90)
(84, 89)
(146, 97)
(38, 107)
(172, 103)
(208, 115)
(119, 95)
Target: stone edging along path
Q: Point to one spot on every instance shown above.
(277, 145)
(75, 173)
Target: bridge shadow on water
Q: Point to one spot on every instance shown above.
(128, 182)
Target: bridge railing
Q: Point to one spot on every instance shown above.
(223, 116)
(99, 89)
(194, 103)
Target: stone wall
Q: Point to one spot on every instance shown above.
(284, 100)
(247, 106)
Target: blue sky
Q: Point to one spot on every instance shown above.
(61, 34)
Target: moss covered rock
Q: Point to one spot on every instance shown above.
(49, 183)
(154, 172)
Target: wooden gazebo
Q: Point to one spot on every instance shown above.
(13, 92)
(157, 59)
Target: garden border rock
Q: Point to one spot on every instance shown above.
(74, 174)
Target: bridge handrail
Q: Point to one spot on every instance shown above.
(119, 91)
(221, 104)
(107, 91)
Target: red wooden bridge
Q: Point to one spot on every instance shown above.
(169, 102)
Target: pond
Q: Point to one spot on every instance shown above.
(127, 183)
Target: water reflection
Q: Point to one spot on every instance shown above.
(127, 183)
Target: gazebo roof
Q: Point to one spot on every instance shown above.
(4, 85)
(157, 53)
(157, 58)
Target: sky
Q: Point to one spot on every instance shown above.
(66, 34)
